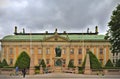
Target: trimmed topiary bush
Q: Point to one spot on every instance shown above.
(71, 64)
(1, 64)
(4, 63)
(83, 64)
(109, 64)
(43, 63)
(23, 60)
(94, 63)
(118, 63)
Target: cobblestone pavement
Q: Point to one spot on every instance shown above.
(61, 76)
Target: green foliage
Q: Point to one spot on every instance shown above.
(4, 63)
(23, 61)
(113, 34)
(71, 64)
(109, 64)
(1, 64)
(94, 63)
(43, 63)
(118, 63)
(83, 64)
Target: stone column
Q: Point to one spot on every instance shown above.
(75, 56)
(87, 66)
(97, 54)
(68, 55)
(104, 56)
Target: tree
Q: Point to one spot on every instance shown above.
(94, 63)
(83, 64)
(71, 64)
(118, 63)
(1, 64)
(43, 63)
(4, 63)
(23, 60)
(109, 64)
(113, 34)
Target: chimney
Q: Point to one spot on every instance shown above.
(96, 29)
(15, 32)
(23, 30)
(64, 32)
(87, 30)
(46, 32)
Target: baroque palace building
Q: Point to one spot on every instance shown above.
(42, 46)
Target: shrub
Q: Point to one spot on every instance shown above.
(71, 64)
(83, 64)
(118, 63)
(94, 63)
(23, 61)
(4, 63)
(43, 63)
(1, 65)
(109, 64)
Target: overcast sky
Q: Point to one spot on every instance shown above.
(46, 15)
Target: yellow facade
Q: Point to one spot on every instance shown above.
(11, 50)
(73, 46)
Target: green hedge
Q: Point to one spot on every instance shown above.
(43, 63)
(23, 60)
(109, 64)
(94, 63)
(4, 63)
(118, 63)
(71, 64)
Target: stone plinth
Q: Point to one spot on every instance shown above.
(87, 66)
(76, 70)
(32, 69)
(58, 64)
(41, 70)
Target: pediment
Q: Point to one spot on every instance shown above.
(56, 38)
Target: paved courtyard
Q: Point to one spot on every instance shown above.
(62, 76)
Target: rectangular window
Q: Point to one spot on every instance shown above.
(11, 61)
(113, 54)
(79, 51)
(101, 50)
(79, 61)
(39, 61)
(47, 51)
(39, 51)
(11, 50)
(87, 50)
(72, 51)
(47, 61)
(64, 51)
(116, 54)
(32, 51)
(113, 61)
(64, 61)
(72, 60)
(101, 60)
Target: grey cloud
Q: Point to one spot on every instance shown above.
(69, 15)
